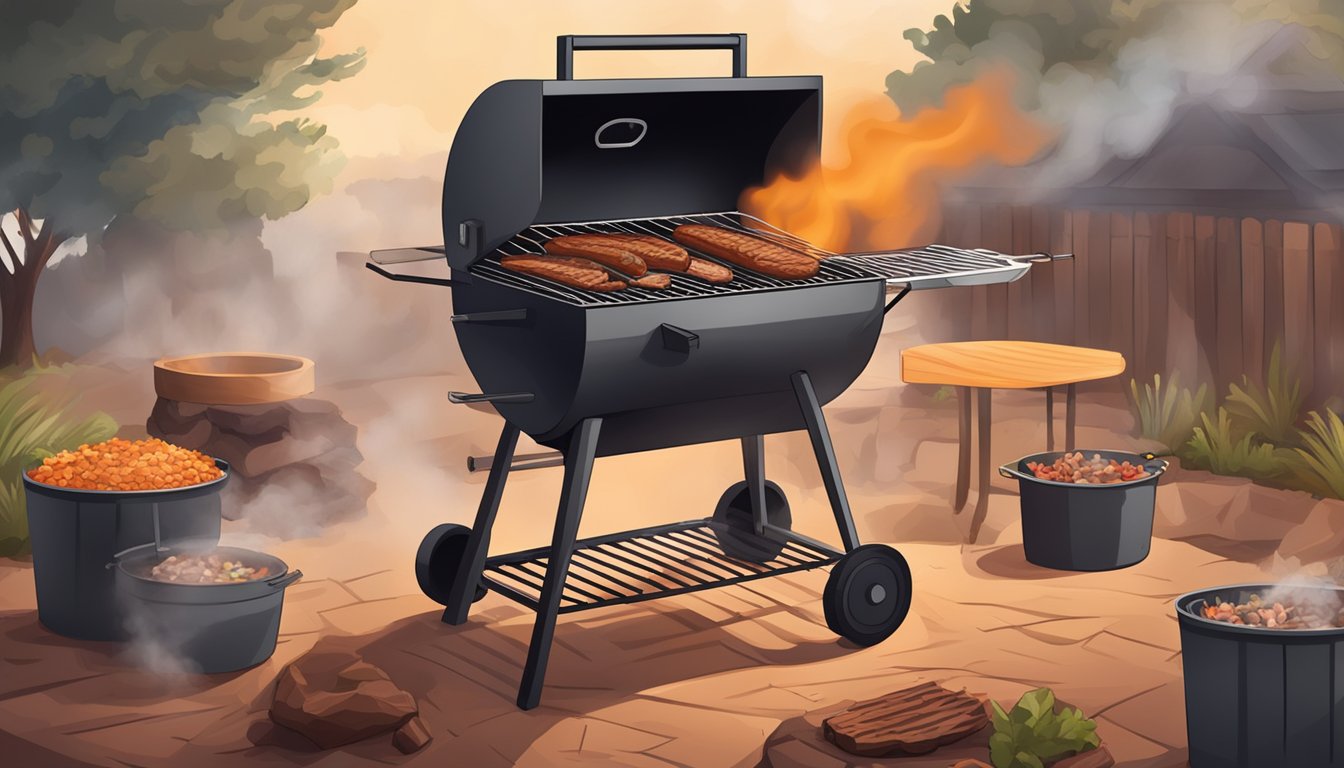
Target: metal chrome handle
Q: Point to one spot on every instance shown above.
(1043, 257)
(464, 398)
(566, 45)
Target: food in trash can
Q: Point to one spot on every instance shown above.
(1257, 612)
(1075, 468)
(125, 465)
(205, 569)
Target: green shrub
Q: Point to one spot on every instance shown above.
(1168, 413)
(1322, 454)
(1271, 411)
(1220, 449)
(1032, 734)
(36, 421)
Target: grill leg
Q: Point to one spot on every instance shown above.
(473, 560)
(753, 462)
(578, 470)
(830, 469)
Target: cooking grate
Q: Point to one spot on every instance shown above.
(642, 565)
(927, 267)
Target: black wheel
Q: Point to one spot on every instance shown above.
(868, 594)
(436, 562)
(739, 539)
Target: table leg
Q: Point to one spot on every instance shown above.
(963, 448)
(982, 497)
(1049, 418)
(1070, 416)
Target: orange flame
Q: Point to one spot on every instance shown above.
(888, 192)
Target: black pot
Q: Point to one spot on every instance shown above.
(1073, 527)
(210, 628)
(74, 533)
(1260, 698)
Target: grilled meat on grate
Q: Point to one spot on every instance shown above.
(748, 251)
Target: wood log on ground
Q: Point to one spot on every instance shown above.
(912, 721)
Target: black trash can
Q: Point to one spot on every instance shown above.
(206, 628)
(76, 533)
(1261, 698)
(1074, 527)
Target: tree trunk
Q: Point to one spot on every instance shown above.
(18, 288)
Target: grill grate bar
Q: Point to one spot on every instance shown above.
(642, 565)
(930, 265)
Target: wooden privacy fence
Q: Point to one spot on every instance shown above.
(1204, 295)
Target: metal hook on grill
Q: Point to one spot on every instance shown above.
(464, 398)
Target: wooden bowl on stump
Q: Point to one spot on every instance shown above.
(233, 378)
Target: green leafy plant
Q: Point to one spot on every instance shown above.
(1217, 447)
(35, 422)
(1322, 455)
(1271, 411)
(1168, 413)
(1032, 734)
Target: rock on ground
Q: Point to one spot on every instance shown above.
(293, 463)
(333, 697)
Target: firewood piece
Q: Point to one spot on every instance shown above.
(912, 721)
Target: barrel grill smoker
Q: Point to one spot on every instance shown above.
(600, 374)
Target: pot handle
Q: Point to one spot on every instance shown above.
(1010, 472)
(1154, 463)
(284, 580)
(117, 557)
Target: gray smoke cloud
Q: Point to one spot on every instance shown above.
(1109, 75)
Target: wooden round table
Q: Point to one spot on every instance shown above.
(978, 367)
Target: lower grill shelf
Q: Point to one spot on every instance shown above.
(645, 564)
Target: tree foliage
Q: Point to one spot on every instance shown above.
(171, 112)
(162, 108)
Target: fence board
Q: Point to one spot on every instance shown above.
(997, 223)
(974, 228)
(1140, 363)
(1206, 295)
(1328, 252)
(1061, 234)
(1042, 277)
(1182, 351)
(1019, 291)
(1253, 352)
(1082, 268)
(1098, 295)
(1228, 303)
(1121, 286)
(1158, 299)
(1273, 286)
(1298, 314)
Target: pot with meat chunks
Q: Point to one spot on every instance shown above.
(1261, 666)
(1086, 510)
(217, 609)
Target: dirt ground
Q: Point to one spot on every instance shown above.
(697, 680)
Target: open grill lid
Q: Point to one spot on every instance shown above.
(550, 151)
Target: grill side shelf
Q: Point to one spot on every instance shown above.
(645, 564)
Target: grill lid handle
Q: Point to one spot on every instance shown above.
(566, 45)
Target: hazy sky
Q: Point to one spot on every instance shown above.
(428, 60)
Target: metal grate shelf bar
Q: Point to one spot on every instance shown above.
(930, 266)
(645, 564)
